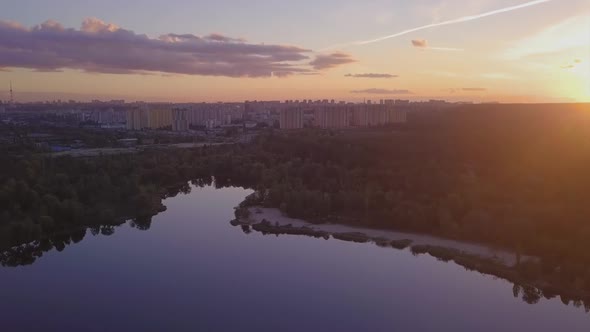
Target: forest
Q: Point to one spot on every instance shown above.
(514, 177)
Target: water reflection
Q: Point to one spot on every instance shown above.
(192, 271)
(29, 253)
(527, 293)
(246, 229)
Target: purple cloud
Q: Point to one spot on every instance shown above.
(327, 61)
(383, 92)
(371, 75)
(106, 48)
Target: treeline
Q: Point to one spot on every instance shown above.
(45, 201)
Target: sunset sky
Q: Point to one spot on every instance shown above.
(235, 50)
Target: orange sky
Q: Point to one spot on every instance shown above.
(539, 53)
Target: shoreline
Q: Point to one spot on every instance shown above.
(364, 234)
(471, 256)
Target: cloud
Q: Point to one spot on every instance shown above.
(95, 25)
(371, 75)
(448, 22)
(221, 38)
(574, 64)
(382, 92)
(422, 43)
(327, 61)
(106, 48)
(474, 89)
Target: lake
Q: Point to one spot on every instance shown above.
(193, 271)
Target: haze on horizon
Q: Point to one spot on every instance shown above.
(191, 51)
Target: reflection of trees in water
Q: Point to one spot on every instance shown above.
(27, 254)
(141, 223)
(527, 293)
(246, 229)
(533, 295)
(530, 295)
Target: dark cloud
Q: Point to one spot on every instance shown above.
(383, 92)
(422, 43)
(371, 75)
(221, 38)
(327, 61)
(474, 89)
(106, 48)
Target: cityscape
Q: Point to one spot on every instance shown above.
(290, 114)
(197, 121)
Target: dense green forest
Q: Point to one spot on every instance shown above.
(514, 176)
(48, 202)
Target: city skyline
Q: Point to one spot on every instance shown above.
(194, 51)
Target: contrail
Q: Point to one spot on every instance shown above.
(449, 22)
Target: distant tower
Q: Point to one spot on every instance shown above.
(11, 94)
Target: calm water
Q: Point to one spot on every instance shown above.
(192, 271)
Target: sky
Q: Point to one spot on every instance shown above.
(235, 50)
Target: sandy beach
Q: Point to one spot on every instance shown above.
(274, 216)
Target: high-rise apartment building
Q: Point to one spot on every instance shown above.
(376, 114)
(145, 118)
(213, 115)
(180, 119)
(137, 118)
(331, 116)
(159, 118)
(396, 116)
(291, 117)
(360, 115)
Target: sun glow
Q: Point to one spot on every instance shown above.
(568, 35)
